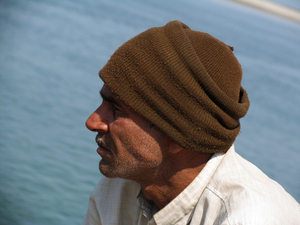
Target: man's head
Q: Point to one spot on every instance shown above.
(186, 83)
(129, 145)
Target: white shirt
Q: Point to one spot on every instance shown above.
(229, 190)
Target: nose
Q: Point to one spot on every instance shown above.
(96, 123)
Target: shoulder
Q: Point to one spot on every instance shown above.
(116, 193)
(113, 200)
(116, 188)
(248, 195)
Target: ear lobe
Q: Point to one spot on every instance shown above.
(173, 146)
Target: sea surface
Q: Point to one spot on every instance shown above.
(50, 55)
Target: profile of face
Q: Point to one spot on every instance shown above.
(130, 147)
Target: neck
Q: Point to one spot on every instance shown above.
(170, 180)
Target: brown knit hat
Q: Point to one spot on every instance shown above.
(187, 83)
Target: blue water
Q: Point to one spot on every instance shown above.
(294, 4)
(50, 54)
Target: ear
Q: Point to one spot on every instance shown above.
(173, 146)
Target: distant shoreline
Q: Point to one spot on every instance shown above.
(273, 8)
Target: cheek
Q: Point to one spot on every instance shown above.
(132, 142)
(142, 145)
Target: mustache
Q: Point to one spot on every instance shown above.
(99, 140)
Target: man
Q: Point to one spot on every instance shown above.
(172, 100)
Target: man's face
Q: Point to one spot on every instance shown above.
(130, 146)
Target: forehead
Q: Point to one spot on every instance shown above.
(111, 97)
(106, 91)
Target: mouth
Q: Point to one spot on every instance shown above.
(101, 143)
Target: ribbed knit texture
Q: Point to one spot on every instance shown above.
(186, 82)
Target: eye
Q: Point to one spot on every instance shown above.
(115, 109)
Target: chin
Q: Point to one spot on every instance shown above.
(107, 172)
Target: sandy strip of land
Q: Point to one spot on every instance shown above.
(273, 8)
